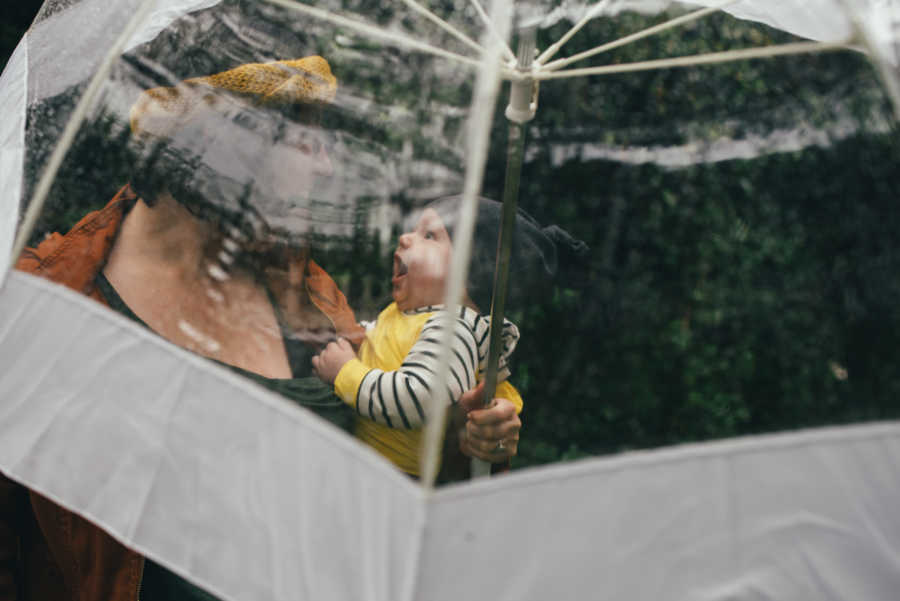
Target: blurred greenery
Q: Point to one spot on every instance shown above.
(740, 297)
(723, 298)
(725, 295)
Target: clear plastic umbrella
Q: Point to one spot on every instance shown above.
(216, 474)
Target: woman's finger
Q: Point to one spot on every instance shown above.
(489, 450)
(473, 399)
(500, 411)
(492, 434)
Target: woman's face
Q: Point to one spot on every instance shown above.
(292, 164)
(422, 264)
(248, 159)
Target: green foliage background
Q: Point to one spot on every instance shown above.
(723, 298)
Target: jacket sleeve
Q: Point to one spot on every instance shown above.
(331, 301)
(31, 258)
(402, 398)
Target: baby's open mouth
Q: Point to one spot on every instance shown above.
(400, 267)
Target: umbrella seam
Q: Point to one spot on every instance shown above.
(642, 460)
(206, 367)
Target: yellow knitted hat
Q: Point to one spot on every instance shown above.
(305, 80)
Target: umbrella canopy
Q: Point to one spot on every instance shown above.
(675, 182)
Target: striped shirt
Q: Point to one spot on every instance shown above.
(401, 396)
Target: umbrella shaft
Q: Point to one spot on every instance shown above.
(518, 112)
(515, 151)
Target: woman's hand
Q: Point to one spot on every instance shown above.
(329, 362)
(491, 433)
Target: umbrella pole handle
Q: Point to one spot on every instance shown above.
(515, 151)
(521, 109)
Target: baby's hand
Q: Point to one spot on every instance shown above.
(329, 362)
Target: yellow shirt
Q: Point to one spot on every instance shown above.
(385, 347)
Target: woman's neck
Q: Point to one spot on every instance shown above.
(163, 266)
(164, 238)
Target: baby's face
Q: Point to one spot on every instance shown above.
(422, 264)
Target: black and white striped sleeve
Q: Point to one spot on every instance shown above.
(403, 398)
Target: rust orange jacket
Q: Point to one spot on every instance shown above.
(48, 553)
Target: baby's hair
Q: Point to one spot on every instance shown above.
(533, 259)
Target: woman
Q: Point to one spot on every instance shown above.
(201, 248)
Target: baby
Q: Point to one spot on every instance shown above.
(390, 382)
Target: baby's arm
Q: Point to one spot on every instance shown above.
(400, 398)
